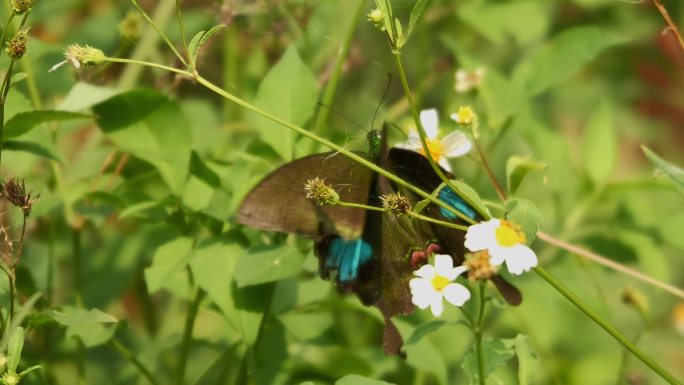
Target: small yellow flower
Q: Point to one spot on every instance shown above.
(395, 203)
(465, 116)
(505, 242)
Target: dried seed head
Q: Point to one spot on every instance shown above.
(21, 6)
(16, 194)
(479, 266)
(319, 191)
(16, 46)
(395, 204)
(79, 55)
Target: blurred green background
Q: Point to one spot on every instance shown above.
(142, 197)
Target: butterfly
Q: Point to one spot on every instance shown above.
(372, 254)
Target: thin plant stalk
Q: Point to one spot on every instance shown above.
(128, 355)
(479, 329)
(159, 32)
(570, 296)
(342, 52)
(190, 317)
(181, 27)
(242, 376)
(423, 141)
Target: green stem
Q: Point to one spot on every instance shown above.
(423, 141)
(410, 213)
(342, 52)
(159, 31)
(149, 64)
(4, 89)
(147, 44)
(478, 333)
(606, 326)
(76, 251)
(190, 318)
(4, 31)
(242, 376)
(181, 26)
(325, 142)
(127, 354)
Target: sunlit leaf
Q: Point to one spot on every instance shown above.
(566, 54)
(517, 168)
(673, 172)
(168, 261)
(526, 214)
(289, 92)
(23, 122)
(355, 379)
(265, 264)
(495, 354)
(599, 144)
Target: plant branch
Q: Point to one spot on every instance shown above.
(610, 264)
(670, 24)
(606, 326)
(127, 354)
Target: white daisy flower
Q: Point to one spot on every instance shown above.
(505, 242)
(453, 145)
(464, 116)
(468, 80)
(435, 282)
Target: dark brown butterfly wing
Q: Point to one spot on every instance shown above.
(279, 203)
(416, 169)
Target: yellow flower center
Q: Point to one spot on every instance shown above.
(376, 16)
(439, 283)
(466, 115)
(435, 147)
(509, 234)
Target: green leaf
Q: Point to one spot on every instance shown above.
(167, 263)
(470, 192)
(23, 122)
(355, 379)
(16, 78)
(75, 317)
(421, 205)
(92, 327)
(193, 48)
(526, 21)
(31, 148)
(495, 354)
(673, 172)
(528, 361)
(526, 214)
(424, 329)
(415, 15)
(268, 263)
(19, 318)
(16, 344)
(565, 55)
(599, 144)
(83, 96)
(214, 270)
(517, 168)
(289, 92)
(209, 34)
(424, 357)
(501, 96)
(147, 124)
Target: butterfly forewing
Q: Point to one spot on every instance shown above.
(279, 203)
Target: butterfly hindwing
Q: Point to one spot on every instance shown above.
(416, 169)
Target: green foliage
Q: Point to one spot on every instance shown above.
(140, 172)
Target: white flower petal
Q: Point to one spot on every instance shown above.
(443, 264)
(430, 122)
(498, 254)
(452, 274)
(456, 144)
(422, 292)
(412, 143)
(520, 259)
(456, 294)
(481, 236)
(426, 271)
(437, 306)
(444, 163)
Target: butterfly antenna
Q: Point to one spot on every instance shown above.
(341, 115)
(382, 99)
